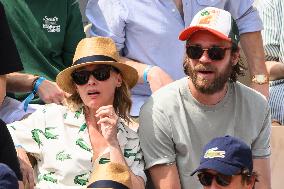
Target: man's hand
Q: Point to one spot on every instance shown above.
(158, 78)
(26, 168)
(49, 92)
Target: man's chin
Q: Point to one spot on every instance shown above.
(208, 89)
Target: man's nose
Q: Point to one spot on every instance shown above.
(205, 57)
(214, 185)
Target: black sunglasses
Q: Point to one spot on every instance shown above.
(214, 52)
(101, 73)
(206, 179)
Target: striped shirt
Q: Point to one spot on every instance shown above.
(272, 13)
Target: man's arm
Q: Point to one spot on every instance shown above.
(165, 176)
(252, 46)
(262, 167)
(48, 91)
(156, 76)
(275, 70)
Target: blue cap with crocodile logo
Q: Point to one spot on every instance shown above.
(227, 155)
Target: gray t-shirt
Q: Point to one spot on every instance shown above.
(174, 126)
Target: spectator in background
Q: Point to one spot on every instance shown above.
(148, 40)
(178, 120)
(272, 13)
(226, 162)
(46, 34)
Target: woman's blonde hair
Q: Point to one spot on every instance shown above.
(121, 104)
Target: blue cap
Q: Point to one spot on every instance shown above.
(226, 155)
(8, 179)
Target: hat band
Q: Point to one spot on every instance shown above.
(107, 184)
(93, 58)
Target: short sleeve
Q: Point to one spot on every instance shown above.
(245, 14)
(108, 19)
(261, 145)
(155, 136)
(27, 132)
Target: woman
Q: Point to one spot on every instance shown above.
(91, 126)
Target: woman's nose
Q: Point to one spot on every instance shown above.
(92, 80)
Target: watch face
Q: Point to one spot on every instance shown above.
(260, 79)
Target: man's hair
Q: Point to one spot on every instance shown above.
(247, 177)
(237, 70)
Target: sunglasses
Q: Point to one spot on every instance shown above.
(206, 179)
(214, 52)
(101, 73)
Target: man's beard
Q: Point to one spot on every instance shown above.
(207, 86)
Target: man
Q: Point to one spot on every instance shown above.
(179, 119)
(272, 12)
(226, 162)
(146, 34)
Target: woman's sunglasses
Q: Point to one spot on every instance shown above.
(206, 179)
(101, 73)
(214, 53)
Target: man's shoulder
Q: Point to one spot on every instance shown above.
(249, 95)
(249, 92)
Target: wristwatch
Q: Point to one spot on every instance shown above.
(260, 79)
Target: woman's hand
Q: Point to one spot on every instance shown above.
(107, 123)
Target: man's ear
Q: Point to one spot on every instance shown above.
(236, 56)
(250, 181)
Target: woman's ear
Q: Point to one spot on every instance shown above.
(119, 80)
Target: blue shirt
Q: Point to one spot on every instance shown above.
(147, 31)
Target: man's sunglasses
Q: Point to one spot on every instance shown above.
(214, 52)
(101, 73)
(206, 179)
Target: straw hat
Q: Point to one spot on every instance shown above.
(92, 51)
(110, 175)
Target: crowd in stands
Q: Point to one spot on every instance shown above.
(147, 96)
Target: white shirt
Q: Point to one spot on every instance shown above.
(59, 140)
